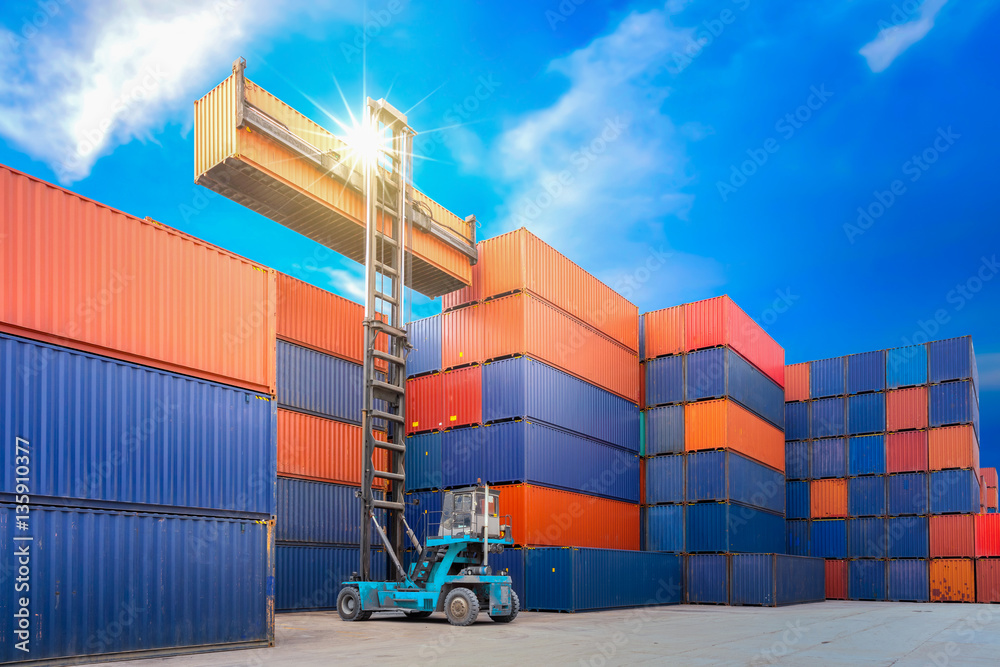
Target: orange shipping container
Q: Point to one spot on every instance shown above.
(664, 331)
(519, 260)
(953, 447)
(467, 295)
(425, 403)
(723, 424)
(524, 324)
(318, 319)
(463, 397)
(953, 580)
(541, 516)
(462, 337)
(797, 382)
(991, 498)
(83, 275)
(953, 536)
(322, 450)
(990, 477)
(828, 499)
(906, 409)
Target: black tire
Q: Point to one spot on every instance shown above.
(461, 607)
(349, 605)
(515, 609)
(417, 614)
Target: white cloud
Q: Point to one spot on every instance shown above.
(896, 37)
(989, 370)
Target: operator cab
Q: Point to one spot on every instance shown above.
(465, 513)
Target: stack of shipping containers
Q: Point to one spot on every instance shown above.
(714, 455)
(988, 540)
(139, 490)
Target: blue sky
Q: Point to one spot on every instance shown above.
(828, 164)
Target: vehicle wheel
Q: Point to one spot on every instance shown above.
(349, 605)
(515, 609)
(461, 607)
(417, 614)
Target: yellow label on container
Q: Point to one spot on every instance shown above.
(454, 418)
(416, 424)
(461, 354)
(553, 569)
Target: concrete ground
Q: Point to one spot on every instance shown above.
(827, 633)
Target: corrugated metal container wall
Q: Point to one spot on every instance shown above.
(907, 452)
(866, 496)
(724, 475)
(797, 459)
(828, 418)
(425, 337)
(552, 517)
(531, 389)
(462, 337)
(664, 528)
(425, 403)
(988, 536)
(836, 579)
(105, 430)
(721, 372)
(730, 528)
(953, 536)
(953, 580)
(866, 372)
(706, 578)
(315, 318)
(952, 359)
(797, 421)
(909, 494)
(725, 425)
(909, 537)
(797, 382)
(866, 455)
(318, 512)
(866, 414)
(906, 366)
(76, 273)
(987, 581)
(519, 260)
(665, 430)
(118, 583)
(829, 458)
(321, 449)
(954, 403)
(510, 562)
(909, 581)
(642, 338)
(664, 332)
(952, 447)
(310, 577)
(797, 500)
(423, 512)
(466, 295)
(954, 491)
(906, 409)
(465, 458)
(828, 377)
(828, 498)
(563, 579)
(423, 462)
(664, 380)
(524, 324)
(797, 537)
(317, 383)
(828, 539)
(773, 580)
(990, 476)
(463, 396)
(866, 537)
(665, 478)
(868, 580)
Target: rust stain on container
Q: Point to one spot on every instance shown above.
(723, 424)
(664, 332)
(322, 450)
(906, 409)
(828, 498)
(797, 382)
(953, 580)
(953, 447)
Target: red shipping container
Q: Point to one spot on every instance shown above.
(987, 581)
(907, 451)
(467, 295)
(80, 274)
(836, 579)
(323, 450)
(797, 382)
(953, 447)
(990, 476)
(719, 321)
(988, 535)
(828, 499)
(462, 337)
(642, 385)
(541, 516)
(425, 404)
(953, 536)
(991, 498)
(953, 580)
(664, 332)
(463, 397)
(906, 409)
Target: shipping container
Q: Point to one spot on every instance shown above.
(909, 581)
(828, 498)
(321, 449)
(866, 455)
(954, 403)
(952, 359)
(866, 372)
(665, 479)
(424, 469)
(988, 536)
(462, 337)
(828, 538)
(866, 496)
(706, 579)
(664, 380)
(732, 528)
(797, 421)
(797, 541)
(465, 296)
(908, 537)
(797, 382)
(836, 579)
(425, 337)
(522, 324)
(952, 447)
(720, 372)
(907, 452)
(313, 317)
(309, 577)
(906, 366)
(727, 476)
(797, 460)
(425, 404)
(726, 425)
(317, 383)
(664, 332)
(989, 476)
(954, 492)
(953, 580)
(665, 430)
(664, 526)
(797, 503)
(558, 579)
(105, 431)
(520, 261)
(829, 458)
(867, 537)
(867, 580)
(719, 321)
(510, 563)
(987, 580)
(532, 390)
(78, 274)
(953, 536)
(423, 512)
(828, 417)
(866, 414)
(775, 580)
(317, 512)
(463, 396)
(552, 517)
(906, 409)
(828, 377)
(909, 494)
(118, 585)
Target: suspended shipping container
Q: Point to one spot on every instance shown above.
(907, 452)
(665, 430)
(866, 372)
(726, 425)
(797, 382)
(775, 580)
(828, 377)
(720, 372)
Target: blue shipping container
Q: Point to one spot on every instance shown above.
(563, 579)
(423, 462)
(828, 377)
(828, 418)
(319, 384)
(110, 432)
(909, 494)
(730, 528)
(866, 537)
(797, 537)
(774, 580)
(829, 458)
(797, 421)
(909, 581)
(867, 455)
(798, 500)
(425, 337)
(664, 528)
(524, 387)
(866, 496)
(954, 403)
(867, 580)
(866, 372)
(310, 576)
(954, 491)
(510, 563)
(318, 512)
(908, 537)
(866, 414)
(665, 430)
(725, 475)
(953, 359)
(665, 380)
(423, 513)
(706, 578)
(124, 582)
(797, 459)
(721, 372)
(906, 366)
(828, 538)
(665, 479)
